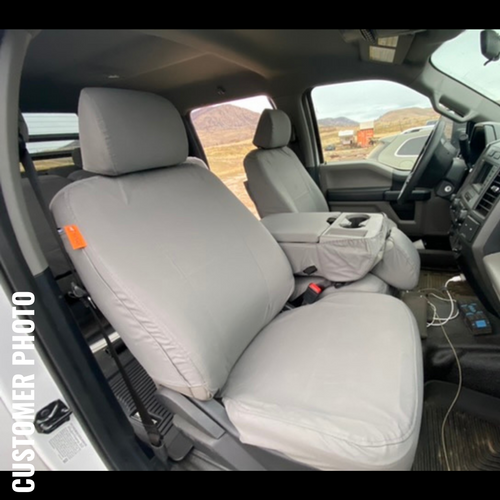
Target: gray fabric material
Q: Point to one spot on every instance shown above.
(273, 130)
(368, 284)
(400, 266)
(124, 131)
(279, 183)
(335, 385)
(179, 267)
(338, 253)
(49, 186)
(79, 173)
(195, 285)
(294, 227)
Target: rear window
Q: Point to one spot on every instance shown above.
(53, 137)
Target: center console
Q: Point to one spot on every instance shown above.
(341, 247)
(345, 247)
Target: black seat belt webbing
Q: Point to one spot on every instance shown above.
(81, 293)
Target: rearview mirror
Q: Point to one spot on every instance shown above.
(490, 45)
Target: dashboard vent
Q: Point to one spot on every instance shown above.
(489, 197)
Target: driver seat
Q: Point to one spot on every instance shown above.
(279, 183)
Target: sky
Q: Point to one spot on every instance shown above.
(359, 101)
(364, 101)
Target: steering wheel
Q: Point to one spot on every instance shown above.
(422, 162)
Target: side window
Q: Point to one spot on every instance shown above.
(226, 132)
(376, 120)
(53, 137)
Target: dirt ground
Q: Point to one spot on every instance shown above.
(226, 161)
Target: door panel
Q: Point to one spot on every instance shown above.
(368, 186)
(355, 174)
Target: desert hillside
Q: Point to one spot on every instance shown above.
(225, 124)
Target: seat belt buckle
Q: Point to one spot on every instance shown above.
(312, 294)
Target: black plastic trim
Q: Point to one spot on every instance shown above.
(416, 195)
(362, 194)
(374, 194)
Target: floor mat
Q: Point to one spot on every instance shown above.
(436, 279)
(472, 432)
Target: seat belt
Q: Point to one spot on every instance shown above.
(79, 291)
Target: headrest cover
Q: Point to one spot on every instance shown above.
(274, 130)
(23, 128)
(124, 131)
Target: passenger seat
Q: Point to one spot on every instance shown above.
(196, 286)
(277, 181)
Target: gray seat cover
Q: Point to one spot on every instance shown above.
(189, 278)
(277, 180)
(180, 268)
(336, 385)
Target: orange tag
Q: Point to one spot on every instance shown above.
(76, 240)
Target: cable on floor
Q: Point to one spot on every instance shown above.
(454, 402)
(441, 322)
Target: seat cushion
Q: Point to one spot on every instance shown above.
(335, 385)
(400, 266)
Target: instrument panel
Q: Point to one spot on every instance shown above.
(475, 213)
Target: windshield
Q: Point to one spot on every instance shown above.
(461, 59)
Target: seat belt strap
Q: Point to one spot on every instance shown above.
(79, 291)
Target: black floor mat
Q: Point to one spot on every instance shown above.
(178, 446)
(472, 432)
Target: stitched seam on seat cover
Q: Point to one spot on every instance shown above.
(145, 311)
(366, 443)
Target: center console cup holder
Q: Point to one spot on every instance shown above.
(354, 221)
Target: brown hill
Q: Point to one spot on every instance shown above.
(340, 121)
(225, 117)
(225, 124)
(408, 114)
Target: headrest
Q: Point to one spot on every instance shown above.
(124, 131)
(274, 130)
(23, 128)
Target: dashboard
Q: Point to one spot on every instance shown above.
(475, 215)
